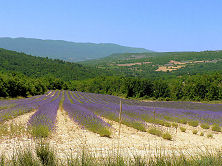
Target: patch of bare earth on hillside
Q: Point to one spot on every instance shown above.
(175, 65)
(169, 68)
(70, 137)
(14, 135)
(133, 64)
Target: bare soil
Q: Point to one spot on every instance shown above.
(18, 137)
(70, 137)
(132, 64)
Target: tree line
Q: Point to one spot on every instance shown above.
(16, 84)
(197, 87)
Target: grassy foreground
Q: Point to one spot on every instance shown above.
(44, 155)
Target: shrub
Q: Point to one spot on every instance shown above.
(209, 136)
(193, 123)
(46, 155)
(216, 128)
(195, 131)
(182, 129)
(167, 124)
(159, 122)
(204, 126)
(201, 134)
(136, 125)
(155, 131)
(175, 125)
(101, 130)
(183, 121)
(40, 131)
(104, 132)
(167, 136)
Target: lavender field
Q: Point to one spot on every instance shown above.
(70, 119)
(87, 109)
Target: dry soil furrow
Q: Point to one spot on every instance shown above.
(17, 138)
(182, 142)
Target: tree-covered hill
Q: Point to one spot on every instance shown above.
(40, 67)
(24, 75)
(64, 50)
(156, 64)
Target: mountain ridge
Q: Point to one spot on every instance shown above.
(65, 50)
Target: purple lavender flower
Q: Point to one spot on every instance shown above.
(85, 117)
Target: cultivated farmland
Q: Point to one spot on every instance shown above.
(71, 121)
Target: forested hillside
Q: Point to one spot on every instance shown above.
(64, 50)
(166, 64)
(24, 75)
(39, 67)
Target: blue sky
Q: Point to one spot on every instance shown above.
(159, 25)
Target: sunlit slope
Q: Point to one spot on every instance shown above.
(158, 64)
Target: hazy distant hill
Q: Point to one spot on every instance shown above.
(64, 50)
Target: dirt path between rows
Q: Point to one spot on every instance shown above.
(70, 137)
(21, 120)
(17, 138)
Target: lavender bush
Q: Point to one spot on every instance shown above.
(43, 121)
(85, 117)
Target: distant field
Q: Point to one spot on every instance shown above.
(161, 63)
(70, 120)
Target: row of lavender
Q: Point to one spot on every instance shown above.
(44, 119)
(87, 109)
(134, 112)
(12, 108)
(46, 106)
(84, 116)
(108, 107)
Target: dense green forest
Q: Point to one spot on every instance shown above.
(24, 75)
(14, 85)
(38, 67)
(198, 87)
